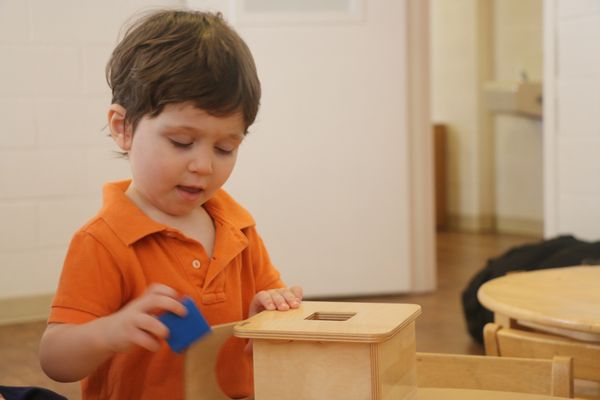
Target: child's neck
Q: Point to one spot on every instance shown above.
(197, 225)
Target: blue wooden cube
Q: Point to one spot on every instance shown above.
(183, 331)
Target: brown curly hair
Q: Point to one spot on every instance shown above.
(174, 56)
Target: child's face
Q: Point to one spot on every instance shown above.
(180, 158)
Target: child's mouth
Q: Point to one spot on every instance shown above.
(190, 193)
(190, 189)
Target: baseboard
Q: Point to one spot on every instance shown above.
(472, 223)
(488, 224)
(517, 226)
(14, 310)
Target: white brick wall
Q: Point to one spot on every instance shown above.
(14, 21)
(573, 136)
(27, 272)
(19, 222)
(17, 122)
(54, 150)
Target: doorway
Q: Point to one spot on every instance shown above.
(493, 175)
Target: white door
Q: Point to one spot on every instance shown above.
(337, 168)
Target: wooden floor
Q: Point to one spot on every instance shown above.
(440, 328)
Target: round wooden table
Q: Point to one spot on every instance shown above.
(564, 301)
(467, 394)
(561, 309)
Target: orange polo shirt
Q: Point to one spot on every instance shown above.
(114, 257)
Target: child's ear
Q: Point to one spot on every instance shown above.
(120, 130)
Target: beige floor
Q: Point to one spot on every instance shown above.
(440, 328)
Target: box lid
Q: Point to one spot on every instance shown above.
(331, 321)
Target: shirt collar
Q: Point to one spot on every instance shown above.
(130, 223)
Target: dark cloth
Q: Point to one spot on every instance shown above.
(561, 251)
(29, 393)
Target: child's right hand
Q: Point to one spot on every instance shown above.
(70, 352)
(136, 323)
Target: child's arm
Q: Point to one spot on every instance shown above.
(281, 299)
(71, 352)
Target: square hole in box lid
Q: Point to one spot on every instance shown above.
(331, 321)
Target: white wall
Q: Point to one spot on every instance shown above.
(54, 153)
(572, 133)
(327, 175)
(325, 171)
(518, 139)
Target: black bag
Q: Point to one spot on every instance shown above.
(561, 251)
(29, 393)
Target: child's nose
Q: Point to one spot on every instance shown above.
(201, 163)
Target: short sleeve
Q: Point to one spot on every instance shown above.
(90, 284)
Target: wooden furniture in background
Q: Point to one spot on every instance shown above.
(564, 301)
(329, 350)
(471, 394)
(545, 313)
(549, 377)
(501, 341)
(439, 152)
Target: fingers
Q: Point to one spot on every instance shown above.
(152, 325)
(277, 299)
(129, 327)
(274, 299)
(145, 340)
(298, 292)
(165, 298)
(290, 300)
(159, 288)
(137, 324)
(160, 303)
(264, 298)
(159, 298)
(149, 332)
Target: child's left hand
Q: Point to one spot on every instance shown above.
(276, 299)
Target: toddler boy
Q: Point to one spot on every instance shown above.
(185, 91)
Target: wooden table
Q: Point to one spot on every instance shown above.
(464, 394)
(564, 301)
(561, 309)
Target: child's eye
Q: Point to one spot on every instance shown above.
(224, 151)
(182, 145)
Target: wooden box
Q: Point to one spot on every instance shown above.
(329, 350)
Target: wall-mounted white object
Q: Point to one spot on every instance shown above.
(519, 97)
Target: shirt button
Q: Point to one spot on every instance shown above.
(196, 264)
